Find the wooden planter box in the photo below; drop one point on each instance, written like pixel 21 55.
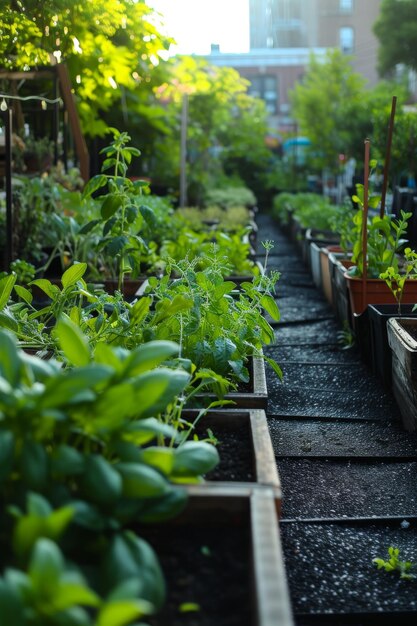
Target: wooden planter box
pixel 261 590
pixel 255 398
pixel 230 424
pixel 315 240
pixel 326 280
pixel 404 367
pixel 340 292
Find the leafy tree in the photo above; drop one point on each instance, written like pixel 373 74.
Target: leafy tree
pixel 226 126
pixel 396 29
pixel 110 47
pixel 329 105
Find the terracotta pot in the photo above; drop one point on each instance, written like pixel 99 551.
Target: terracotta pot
pixel 377 292
pixel 404 367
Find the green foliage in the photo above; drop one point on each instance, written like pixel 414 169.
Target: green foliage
pixel 226 126
pixel 120 50
pixel 230 197
pixel 396 278
pixel 311 210
pixel 394 564
pixel 384 241
pixel 120 217
pixel 76 469
pixel 330 109
pixel 396 30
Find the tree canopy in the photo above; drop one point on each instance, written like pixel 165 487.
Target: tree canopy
pixel 108 45
pixel 396 29
pixel 329 107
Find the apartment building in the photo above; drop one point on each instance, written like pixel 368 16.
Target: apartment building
pixel 283 33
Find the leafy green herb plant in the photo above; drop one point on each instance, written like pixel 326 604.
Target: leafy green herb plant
pixel 394 564
pixel 121 216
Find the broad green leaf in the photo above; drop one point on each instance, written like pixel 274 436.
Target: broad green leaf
pixel 96 182
pixel 70 594
pixel 142 481
pixel 140 309
pixel 46 286
pixel 34 465
pixel 270 306
pixel 101 482
pixel 8 322
pixel 122 612
pixel 10 363
pixel 165 508
pixel 129 557
pixel 11 606
pixel 23 293
pixel 274 366
pixel 195 458
pixel 73 274
pixel 110 206
pixel 66 461
pixel 45 568
pixel 6 287
pixel 158 457
pixel 72 342
pixel 7 446
pixel 70 386
pixel 148 356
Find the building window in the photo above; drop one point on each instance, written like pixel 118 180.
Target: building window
pixel 347 39
pixel 346 6
pixel 265 87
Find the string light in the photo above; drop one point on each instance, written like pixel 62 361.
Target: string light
pixel 24 98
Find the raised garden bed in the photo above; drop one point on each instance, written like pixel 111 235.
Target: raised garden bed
pixel 255 396
pixel 402 337
pixel 246 454
pixel 332 576
pixel 233 543
pixel 336 488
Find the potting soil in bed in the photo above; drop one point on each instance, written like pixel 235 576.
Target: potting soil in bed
pixel 330 569
pixel 207 567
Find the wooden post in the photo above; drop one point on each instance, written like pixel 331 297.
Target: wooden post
pixel 388 156
pixel 8 257
pixel 365 222
pixel 183 161
pixel 68 98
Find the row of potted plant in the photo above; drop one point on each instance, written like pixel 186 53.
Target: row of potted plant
pixel 369 277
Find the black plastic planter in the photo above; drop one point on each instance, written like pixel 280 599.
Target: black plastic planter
pixel 381 355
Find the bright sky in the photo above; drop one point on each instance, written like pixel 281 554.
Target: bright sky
pixel 196 24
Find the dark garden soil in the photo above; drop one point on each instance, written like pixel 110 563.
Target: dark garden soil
pixel 330 569
pixel 333 354
pixel 372 405
pixel 208 569
pixel 317 333
pixel 236 453
pixel 347 378
pixel 328 488
pixel 301 309
pixel 341 439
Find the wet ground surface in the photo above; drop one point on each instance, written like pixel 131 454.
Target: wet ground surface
pixel 345 462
